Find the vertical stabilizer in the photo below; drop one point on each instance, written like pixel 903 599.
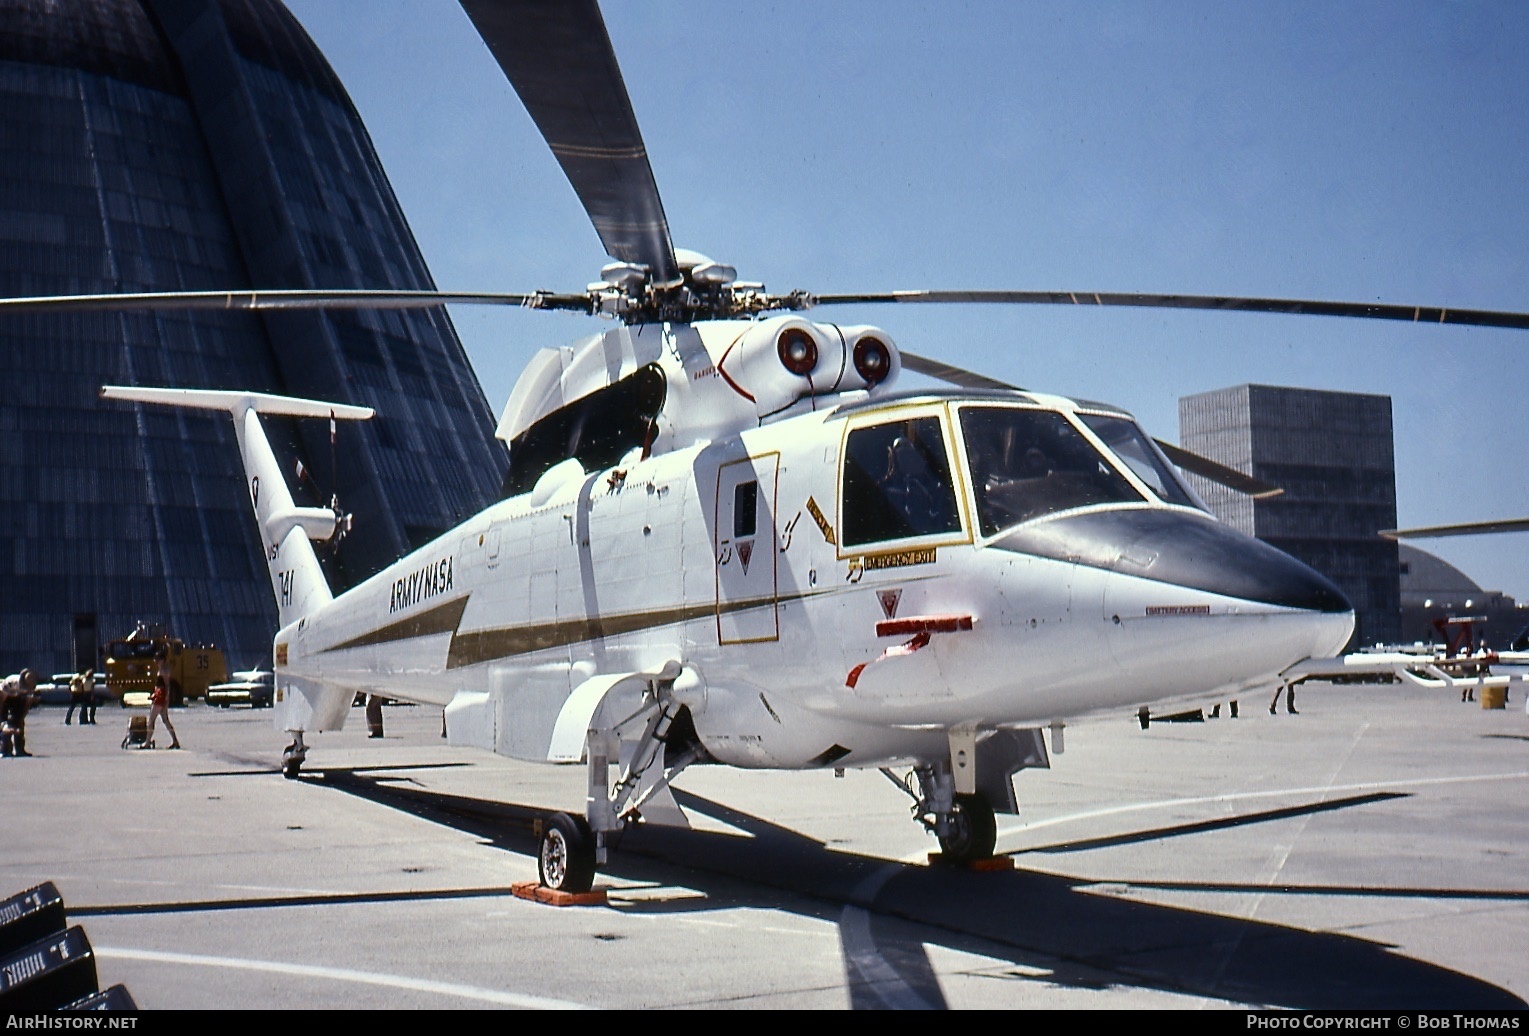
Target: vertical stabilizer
pixel 287 530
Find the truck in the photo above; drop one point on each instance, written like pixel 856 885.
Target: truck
pixel 132 661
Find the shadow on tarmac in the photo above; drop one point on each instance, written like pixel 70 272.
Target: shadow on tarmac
pixel 1050 928
pixel 1157 834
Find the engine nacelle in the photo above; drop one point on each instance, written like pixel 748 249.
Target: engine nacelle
pixel 777 362
pixel 874 362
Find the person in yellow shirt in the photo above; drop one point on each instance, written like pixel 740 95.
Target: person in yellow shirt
pixel 80 684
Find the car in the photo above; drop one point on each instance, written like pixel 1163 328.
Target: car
pixel 56 692
pixel 253 687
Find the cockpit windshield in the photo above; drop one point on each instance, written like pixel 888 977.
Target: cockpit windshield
pixel 1128 442
pixel 1027 463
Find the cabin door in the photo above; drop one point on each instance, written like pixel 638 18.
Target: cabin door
pixel 746 551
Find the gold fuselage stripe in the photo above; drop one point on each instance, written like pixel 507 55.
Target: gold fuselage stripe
pixel 443 618
pixel 487 645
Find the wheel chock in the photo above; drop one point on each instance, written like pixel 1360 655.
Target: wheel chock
pixel 539 893
pixel 987 863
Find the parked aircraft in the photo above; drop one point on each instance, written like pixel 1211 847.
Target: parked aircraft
pixel 728 538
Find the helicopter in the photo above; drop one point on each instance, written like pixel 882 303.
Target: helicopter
pixel 727 538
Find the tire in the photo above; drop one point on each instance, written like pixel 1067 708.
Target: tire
pixel 565 861
pixel 975 830
pixel 290 768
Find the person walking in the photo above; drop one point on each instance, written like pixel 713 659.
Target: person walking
pixel 1289 693
pixel 88 709
pixel 159 704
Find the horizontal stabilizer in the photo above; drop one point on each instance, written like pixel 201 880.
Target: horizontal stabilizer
pixel 228 402
pixel 297 578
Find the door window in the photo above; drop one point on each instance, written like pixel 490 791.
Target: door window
pixel 897 483
pixel 745 509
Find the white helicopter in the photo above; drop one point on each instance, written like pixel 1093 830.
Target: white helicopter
pixel 727 539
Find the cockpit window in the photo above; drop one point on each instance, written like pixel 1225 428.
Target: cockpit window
pixel 897 483
pixel 1029 463
pixel 1128 442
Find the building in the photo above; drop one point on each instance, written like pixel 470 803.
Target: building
pixel 1331 453
pixel 155 145
pixel 1434 592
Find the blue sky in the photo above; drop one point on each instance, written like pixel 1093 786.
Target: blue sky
pixel 1336 150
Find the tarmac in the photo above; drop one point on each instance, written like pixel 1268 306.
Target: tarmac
pixel 1368 854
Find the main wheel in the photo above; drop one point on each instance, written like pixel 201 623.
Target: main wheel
pixel 567 858
pixel 291 766
pixel 974 831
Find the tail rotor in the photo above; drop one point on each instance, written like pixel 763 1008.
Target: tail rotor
pixel 343 519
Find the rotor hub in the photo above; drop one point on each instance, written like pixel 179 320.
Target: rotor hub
pixel 707 290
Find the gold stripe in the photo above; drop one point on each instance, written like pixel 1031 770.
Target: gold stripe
pixel 443 618
pixel 487 645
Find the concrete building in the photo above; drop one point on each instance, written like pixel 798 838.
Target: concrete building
pixel 1332 454
pixel 156 145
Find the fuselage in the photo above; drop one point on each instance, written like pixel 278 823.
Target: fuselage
pixel 845 585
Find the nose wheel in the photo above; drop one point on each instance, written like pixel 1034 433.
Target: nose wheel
pixel 971 830
pixel 964 824
pixel 566 860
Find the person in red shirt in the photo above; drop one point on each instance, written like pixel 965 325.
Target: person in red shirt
pixel 159 704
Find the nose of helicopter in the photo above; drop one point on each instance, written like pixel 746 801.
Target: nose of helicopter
pixel 1167 564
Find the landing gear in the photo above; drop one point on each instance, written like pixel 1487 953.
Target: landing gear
pixel 630 766
pixel 964 824
pixel 293 756
pixel 566 859
pixel 972 830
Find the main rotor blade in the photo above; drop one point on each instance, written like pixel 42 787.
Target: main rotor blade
pixel 1310 307
pixel 1206 468
pixel 558 57
pixel 1462 529
pixel 299 299
pixel 951 375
